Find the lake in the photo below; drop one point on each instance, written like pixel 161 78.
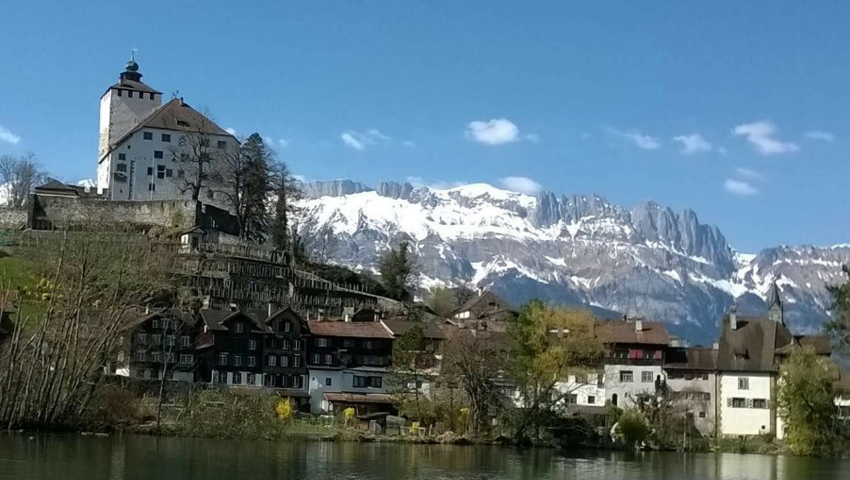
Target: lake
pixel 73 457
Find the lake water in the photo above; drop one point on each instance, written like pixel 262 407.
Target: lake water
pixel 73 457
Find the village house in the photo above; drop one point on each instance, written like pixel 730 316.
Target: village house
pixel 751 350
pixel 285 355
pixel 485 305
pixel 691 382
pixel 230 348
pixel 348 363
pixel 147 148
pixel 636 355
pixel 431 349
pixel 159 343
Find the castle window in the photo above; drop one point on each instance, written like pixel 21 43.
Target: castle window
pixel 151 187
pixel 129 94
pixel 160 171
pixel 147 135
pixel 119 93
pixel 169 172
pixel 150 171
pixel 166 138
pixel 743 383
pixel 121 167
pixel 221 144
pixel 122 156
pixel 180 173
pixel 152 95
pixel 157 154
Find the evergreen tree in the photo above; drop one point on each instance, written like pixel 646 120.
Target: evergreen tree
pixel 287 191
pixel 245 180
pixel 839 326
pixel 398 272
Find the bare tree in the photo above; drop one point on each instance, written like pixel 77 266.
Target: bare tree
pixel 18 177
pixel 196 149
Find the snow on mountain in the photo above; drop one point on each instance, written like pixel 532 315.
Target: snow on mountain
pixel 89 184
pixel 578 249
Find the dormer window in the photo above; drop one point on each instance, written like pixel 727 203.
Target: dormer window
pixel 239 328
pixel 129 94
pixel 182 123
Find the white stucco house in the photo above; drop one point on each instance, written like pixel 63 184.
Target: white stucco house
pixel 146 147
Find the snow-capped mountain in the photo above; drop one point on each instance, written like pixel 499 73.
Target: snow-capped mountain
pixel 648 261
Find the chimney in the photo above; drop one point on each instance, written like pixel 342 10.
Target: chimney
pixel 147 309
pixel 347 317
pixel 271 309
pixel 181 101
pixel 733 317
pixel 715 346
pixel 377 317
pixel 321 315
pixel 233 307
pixel 638 325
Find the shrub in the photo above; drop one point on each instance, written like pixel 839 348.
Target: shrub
pixel 633 427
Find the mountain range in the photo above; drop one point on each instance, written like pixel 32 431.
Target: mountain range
pixel 648 261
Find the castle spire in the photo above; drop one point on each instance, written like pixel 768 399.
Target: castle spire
pixel 775 310
pixel 131 69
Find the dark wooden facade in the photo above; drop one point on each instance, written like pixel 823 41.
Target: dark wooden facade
pixel 285 350
pixel 230 350
pixel 161 343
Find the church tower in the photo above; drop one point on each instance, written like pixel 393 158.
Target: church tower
pixel 122 107
pixel 775 310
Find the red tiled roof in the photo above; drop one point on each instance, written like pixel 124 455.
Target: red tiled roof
pixel 618 331
pixel 349 329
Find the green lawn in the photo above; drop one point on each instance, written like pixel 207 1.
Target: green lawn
pixel 17 273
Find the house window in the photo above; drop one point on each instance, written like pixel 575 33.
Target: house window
pixel 317 359
pixel 759 403
pixel 151 187
pixel 122 156
pixel 296 361
pixel 222 359
pixel 157 357
pixel 238 327
pixel 284 344
pixel 237 378
pixel 600 380
pixel 626 376
pixel 166 138
pixel 296 345
pixel 252 379
pixel 186 341
pixel 121 167
pixel 743 383
pixel 221 144
pixel 180 173
pixel 272 360
pixel 150 171
pixel 348 343
pixel 360 382
pixel 147 136
pixel 169 357
pixel 160 171
pixel 119 93
pixel 284 361
pixel 252 361
pixel 646 377
pixel 237 360
pixel 156 339
pixel 581 378
pixel 368 344
pixel 328 382
pixel 158 154
pixel 252 344
pixel 739 403
pixel 591 399
pixel 169 173
pixel 142 338
pixel 287 326
pixel 701 414
pixel 169 340
pixel 321 342
pixel 129 93
pixel 186 359
pixel 141 356
pixel 155 323
pixel 376 382
pixel 328 359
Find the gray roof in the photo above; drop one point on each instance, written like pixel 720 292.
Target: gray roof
pixel 215 320
pixel 138 86
pixel 400 327
pixel 693 358
pixel 753 345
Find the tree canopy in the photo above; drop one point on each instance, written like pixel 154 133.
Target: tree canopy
pixel 398 272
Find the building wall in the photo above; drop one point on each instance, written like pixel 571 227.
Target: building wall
pixel 626 391
pixel 318 385
pixel 13 218
pixel 698 383
pixel 747 420
pixel 583 391
pixel 119 115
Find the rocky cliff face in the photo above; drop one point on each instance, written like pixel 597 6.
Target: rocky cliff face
pixel 580 249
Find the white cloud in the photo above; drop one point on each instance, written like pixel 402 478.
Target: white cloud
pixel 820 135
pixel 283 142
pixel 749 173
pixel 762 135
pixel 645 142
pixel 496 131
pixel 362 140
pixel 522 185
pixel 230 130
pixel 693 143
pixel 741 188
pixel 7 136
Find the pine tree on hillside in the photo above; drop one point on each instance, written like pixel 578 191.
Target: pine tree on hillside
pixel 288 192
pixel 839 326
pixel 398 272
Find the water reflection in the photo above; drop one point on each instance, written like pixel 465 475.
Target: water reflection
pixel 72 457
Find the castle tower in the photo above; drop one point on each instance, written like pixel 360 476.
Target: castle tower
pixel 775 310
pixel 122 107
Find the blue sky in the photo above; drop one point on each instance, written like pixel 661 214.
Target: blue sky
pixel 735 109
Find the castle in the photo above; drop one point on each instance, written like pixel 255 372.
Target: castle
pixel 154 151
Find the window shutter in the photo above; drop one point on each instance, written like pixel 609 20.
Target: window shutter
pixel 729 402
pixel 749 403
pixel 767 403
